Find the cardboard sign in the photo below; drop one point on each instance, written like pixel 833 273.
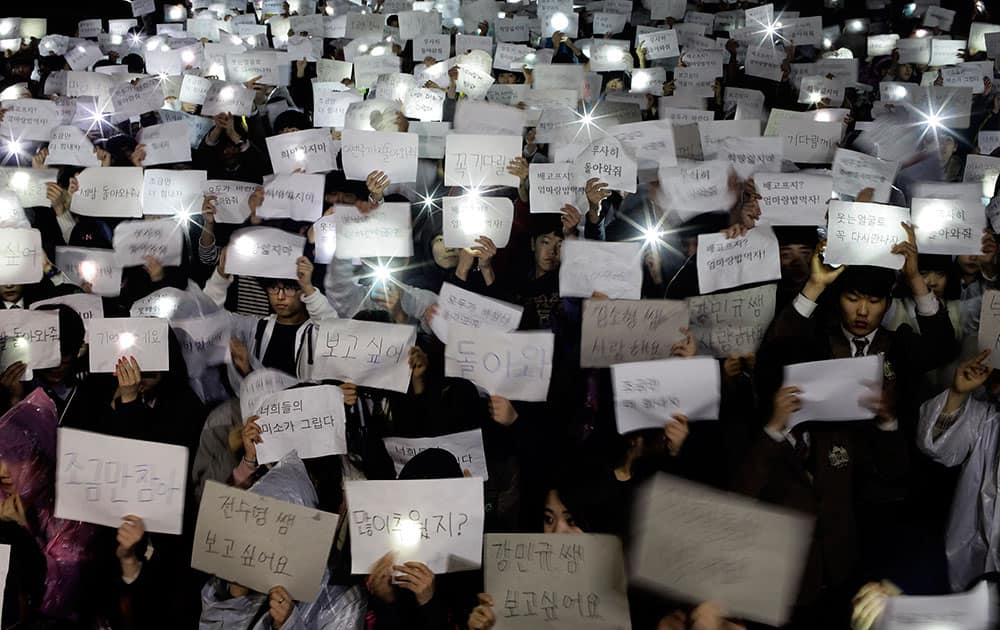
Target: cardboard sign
pixel 864 233
pixel 649 393
pixel 309 420
pixel 569 580
pixel 370 354
pixel 21 256
pixel 144 338
pixel 435 521
pixel 625 331
pixel 467 447
pixel 384 231
pixel 688 549
pixel 731 323
pixel 470 217
pixel 264 252
pixel 261 542
pixel 514 365
pixel 162 239
pixel 102 478
pixel 614 269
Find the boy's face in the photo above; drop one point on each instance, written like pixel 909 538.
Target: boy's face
pixel 547 248
pixel 860 314
pixel 795 259
pixel 11 292
pixel 285 299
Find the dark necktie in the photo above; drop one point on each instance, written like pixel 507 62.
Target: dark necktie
pixel 860 343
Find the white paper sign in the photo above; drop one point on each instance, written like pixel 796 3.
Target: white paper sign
pixel 751 155
pixel 837 389
pixel 435 521
pixel 294 195
pixel 312 150
pixel 474 161
pixel 370 354
pixel 90 265
pixel 70 146
pixel 696 189
pixel 606 160
pixel 456 306
pixel 29 184
pixel 853 171
pixel 582 586
pixel 491 118
pixel 30 119
pixel 625 331
pixel 948 226
pixel 277 532
pixel 30 337
pixel 864 233
pixel 162 239
pixel 394 153
pixel 973 610
pixel 649 393
pixel 793 198
pixel 112 338
pixel 467 447
pixel 515 365
pixel 87 305
pixel 689 550
pixel 172 192
pixel 204 341
pixel 113 191
pixel 265 252
pixel 167 143
pixel 470 217
pixel 330 104
pixel 659 44
pixel 724 263
pixel 228 98
pixel 132 477
pixel 809 142
pixel 145 95
pixel 614 269
pixel 309 420
pixel 983 169
pixel 552 186
pixel 21 256
pixel 384 231
pixel 231 199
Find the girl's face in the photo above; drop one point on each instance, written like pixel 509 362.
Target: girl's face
pixel 444 257
pixel 905 71
pixel 557 518
pixel 936 282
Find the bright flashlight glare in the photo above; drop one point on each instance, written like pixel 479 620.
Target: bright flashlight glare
pixel 6 209
pixel 363 48
pixel 856 26
pixel 126 340
pixel 20 343
pixel 920 32
pixel 428 202
pixel 165 306
pixel 640 82
pixel 116 39
pixel 14 147
pixel 20 180
pixel 934 218
pixel 899 91
pixel 615 55
pixel 651 235
pixel 175 12
pixel 136 38
pixel 378 51
pixel 815 97
pixel 5 27
pixel 152 44
pixel 164 48
pixel 458 21
pixel 81 49
pixel 409 533
pixel 226 93
pixel 244 245
pixel 235 40
pixel 559 21
pixel 329 10
pixel 827 43
pixel 88 270
pixel 933 121
pixel 382 273
pixel 473 221
pixel 187 56
pixel 300 155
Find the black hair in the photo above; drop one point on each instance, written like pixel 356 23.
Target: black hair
pixel 434 463
pixel 547 223
pixel 589 495
pixel 337 182
pixel 866 280
pixel 796 235
pixel 374 315
pixel 28 570
pixel 292 119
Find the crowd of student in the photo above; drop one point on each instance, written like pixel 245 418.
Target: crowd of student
pixel 892 514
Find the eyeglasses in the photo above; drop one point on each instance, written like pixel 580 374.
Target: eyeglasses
pixel 282 289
